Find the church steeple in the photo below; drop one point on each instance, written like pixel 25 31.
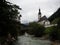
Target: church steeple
pixel 39 14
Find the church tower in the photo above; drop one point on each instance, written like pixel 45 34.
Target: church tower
pixel 39 15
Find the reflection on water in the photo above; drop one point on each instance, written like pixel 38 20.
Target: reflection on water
pixel 27 40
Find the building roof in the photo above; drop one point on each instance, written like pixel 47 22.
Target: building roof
pixel 43 18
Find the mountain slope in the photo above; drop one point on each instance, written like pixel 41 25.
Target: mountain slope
pixel 55 15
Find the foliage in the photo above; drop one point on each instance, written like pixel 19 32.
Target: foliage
pixel 55 21
pixel 54 34
pixel 48 30
pixel 58 24
pixel 55 15
pixel 36 29
pixel 8 15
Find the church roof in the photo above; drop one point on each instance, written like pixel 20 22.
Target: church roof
pixel 43 18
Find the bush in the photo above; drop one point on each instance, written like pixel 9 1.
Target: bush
pixel 48 30
pixel 36 29
pixel 54 34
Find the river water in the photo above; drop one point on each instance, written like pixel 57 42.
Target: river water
pixel 28 40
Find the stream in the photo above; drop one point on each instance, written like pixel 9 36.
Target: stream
pixel 29 40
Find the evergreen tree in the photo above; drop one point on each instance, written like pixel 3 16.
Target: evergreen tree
pixel 8 15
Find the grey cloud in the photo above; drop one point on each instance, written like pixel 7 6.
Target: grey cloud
pixel 30 8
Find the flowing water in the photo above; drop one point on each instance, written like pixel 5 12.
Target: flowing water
pixel 28 40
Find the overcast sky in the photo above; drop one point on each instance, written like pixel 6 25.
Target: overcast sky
pixel 30 8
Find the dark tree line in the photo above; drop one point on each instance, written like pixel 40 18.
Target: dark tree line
pixel 55 33
pixel 8 15
pixel 54 15
pixel 36 29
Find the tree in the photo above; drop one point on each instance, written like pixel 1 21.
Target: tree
pixel 54 33
pixel 8 19
pixel 54 15
pixel 36 29
pixel 55 19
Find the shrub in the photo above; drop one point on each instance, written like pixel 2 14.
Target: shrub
pixel 36 29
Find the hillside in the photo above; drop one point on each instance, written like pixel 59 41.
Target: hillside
pixel 55 15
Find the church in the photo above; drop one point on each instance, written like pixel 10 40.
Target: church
pixel 43 20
